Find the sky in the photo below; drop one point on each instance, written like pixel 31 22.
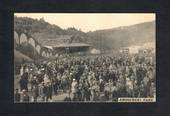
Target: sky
pixel 91 21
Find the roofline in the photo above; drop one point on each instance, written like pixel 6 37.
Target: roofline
pixel 71 45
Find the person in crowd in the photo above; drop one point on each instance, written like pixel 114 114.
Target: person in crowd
pixel 107 91
pixel 25 97
pixel 48 92
pixel 87 93
pixel 152 91
pixel 114 92
pixel 55 85
pixel 46 79
pixel 33 81
pixel 74 87
pixel 67 98
pixel 24 82
pixel 35 93
pixel 17 96
pixel 21 70
pixel 42 91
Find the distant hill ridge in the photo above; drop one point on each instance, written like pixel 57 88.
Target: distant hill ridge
pixel 115 38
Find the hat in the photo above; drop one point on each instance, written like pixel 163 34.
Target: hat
pixel 127 79
pixel 24 91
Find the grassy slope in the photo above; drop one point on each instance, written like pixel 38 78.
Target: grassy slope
pixel 18 57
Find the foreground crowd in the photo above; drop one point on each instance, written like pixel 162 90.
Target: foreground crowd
pixel 98 78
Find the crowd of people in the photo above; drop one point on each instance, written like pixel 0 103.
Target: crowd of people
pixel 95 78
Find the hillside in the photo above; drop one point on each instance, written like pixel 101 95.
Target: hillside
pixel 107 39
pixel 124 36
pixel 42 30
pixel 20 57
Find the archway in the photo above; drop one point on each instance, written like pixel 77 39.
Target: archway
pixel 23 39
pixel 31 41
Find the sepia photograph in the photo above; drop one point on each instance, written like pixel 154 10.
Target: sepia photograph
pixel 84 57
